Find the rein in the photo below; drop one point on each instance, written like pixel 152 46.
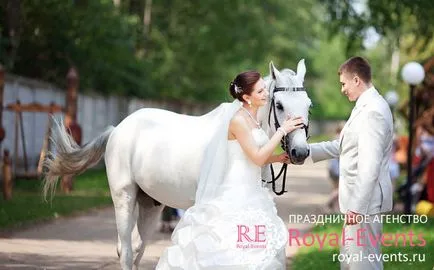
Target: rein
pixel 282 142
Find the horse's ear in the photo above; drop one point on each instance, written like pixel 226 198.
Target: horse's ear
pixel 273 71
pixel 301 70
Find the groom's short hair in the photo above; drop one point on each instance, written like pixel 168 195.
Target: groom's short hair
pixel 359 66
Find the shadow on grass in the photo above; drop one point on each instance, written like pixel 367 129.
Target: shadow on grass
pixel 28 205
pixel 26 261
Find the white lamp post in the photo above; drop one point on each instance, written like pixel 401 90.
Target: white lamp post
pixel 413 74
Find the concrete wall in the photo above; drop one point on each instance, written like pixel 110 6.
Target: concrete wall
pixel 94 114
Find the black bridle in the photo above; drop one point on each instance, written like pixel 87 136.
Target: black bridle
pixel 283 141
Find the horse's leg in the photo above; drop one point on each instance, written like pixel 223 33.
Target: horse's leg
pixel 124 200
pixel 134 233
pixel 148 217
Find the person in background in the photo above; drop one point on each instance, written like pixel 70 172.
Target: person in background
pixel 394 168
pixel 167 216
pixel 424 153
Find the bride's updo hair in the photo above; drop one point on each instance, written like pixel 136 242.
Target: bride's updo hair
pixel 243 84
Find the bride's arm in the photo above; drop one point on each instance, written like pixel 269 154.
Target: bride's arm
pixel 242 132
pixel 277 158
pixel 271 159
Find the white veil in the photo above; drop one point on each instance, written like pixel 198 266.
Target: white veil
pixel 213 167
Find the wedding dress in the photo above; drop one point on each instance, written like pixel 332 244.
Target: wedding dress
pixel 236 227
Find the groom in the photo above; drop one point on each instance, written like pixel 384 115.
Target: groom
pixel 364 148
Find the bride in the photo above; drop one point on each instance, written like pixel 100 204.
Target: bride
pixel 233 223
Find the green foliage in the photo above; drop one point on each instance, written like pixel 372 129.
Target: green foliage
pixel 405 29
pixel 192 51
pixel 92 36
pixel 391 19
pixel 326 60
pixel 197 48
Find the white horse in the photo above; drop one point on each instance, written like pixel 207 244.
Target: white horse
pixel 153 157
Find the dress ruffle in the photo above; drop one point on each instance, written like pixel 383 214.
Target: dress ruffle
pixel 207 236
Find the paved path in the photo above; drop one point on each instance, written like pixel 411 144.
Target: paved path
pixel 89 241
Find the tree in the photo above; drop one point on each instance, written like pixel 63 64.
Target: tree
pixel 10 27
pixel 90 35
pixel 197 47
pixel 391 19
pixel 405 28
pixel 190 51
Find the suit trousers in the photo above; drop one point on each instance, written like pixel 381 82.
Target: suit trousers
pixel 361 245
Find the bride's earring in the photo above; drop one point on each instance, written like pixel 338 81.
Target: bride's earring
pixel 250 103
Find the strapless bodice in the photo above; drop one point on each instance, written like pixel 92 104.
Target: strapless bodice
pixel 240 167
pixel 235 150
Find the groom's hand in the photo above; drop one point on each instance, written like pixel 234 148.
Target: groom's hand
pixel 351 218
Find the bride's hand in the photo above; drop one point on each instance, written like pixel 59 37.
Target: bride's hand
pixel 292 123
pixel 282 158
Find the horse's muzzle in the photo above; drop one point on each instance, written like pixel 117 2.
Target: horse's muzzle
pixel 299 154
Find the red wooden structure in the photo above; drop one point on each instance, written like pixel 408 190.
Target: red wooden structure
pixel 18 108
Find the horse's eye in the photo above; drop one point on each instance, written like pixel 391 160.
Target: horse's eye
pixel 279 107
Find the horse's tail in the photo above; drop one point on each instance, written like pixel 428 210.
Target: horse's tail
pixel 69 158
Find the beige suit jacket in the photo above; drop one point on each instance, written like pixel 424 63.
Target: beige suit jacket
pixel 364 150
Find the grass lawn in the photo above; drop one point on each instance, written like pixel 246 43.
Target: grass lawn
pixel 313 258
pixel 320 138
pixel 28 206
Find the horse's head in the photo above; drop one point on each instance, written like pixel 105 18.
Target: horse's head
pixel 288 97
